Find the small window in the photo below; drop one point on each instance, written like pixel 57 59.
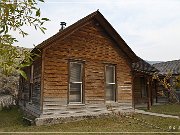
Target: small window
pixel 143 87
pixel 110 82
pixel 75 82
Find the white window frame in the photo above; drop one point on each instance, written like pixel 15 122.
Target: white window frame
pixel 114 82
pixel 76 83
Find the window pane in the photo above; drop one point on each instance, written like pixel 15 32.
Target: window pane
pixel 110 74
pixel 75 72
pixel 110 83
pixel 75 92
pixel 110 92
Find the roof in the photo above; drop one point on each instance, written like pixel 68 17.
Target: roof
pixel 103 22
pixel 169 66
pixel 143 66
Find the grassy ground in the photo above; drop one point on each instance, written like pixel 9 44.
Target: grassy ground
pixel 11 121
pixel 172 109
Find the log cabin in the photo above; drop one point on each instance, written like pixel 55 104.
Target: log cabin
pixel 80 71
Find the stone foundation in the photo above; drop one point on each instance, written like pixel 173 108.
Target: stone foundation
pixel 79 115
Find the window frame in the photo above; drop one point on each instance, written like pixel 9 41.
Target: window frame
pixel 114 83
pixel 81 83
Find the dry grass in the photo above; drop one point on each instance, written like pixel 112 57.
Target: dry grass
pixel 172 109
pixel 11 121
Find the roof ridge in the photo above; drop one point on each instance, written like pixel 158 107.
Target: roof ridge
pixel 66 29
pixel 83 21
pixel 166 62
pixel 172 66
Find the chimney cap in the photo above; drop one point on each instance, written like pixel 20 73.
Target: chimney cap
pixel 63 24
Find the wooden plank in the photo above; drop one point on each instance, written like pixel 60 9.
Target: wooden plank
pixel 93 46
pixel 42 80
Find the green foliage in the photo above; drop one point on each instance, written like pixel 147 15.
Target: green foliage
pixel 17 13
pixel 177 82
pixel 168 85
pixel 13 15
pixel 9 79
pixel 11 58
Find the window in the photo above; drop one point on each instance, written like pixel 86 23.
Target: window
pixel 143 87
pixel 31 82
pixel 110 83
pixel 75 82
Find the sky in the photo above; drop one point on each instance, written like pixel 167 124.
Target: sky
pixel 151 28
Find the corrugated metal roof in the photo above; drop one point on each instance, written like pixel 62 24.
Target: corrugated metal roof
pixel 144 66
pixel 169 66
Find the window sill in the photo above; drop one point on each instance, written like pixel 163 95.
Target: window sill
pixel 76 104
pixel 111 102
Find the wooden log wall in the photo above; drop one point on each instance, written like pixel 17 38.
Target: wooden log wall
pixel 93 45
pixel 138 92
pixel 31 107
pixel 36 92
pixel 23 93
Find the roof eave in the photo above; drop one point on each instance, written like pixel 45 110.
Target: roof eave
pixel 106 25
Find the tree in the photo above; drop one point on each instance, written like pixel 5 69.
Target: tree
pixel 14 14
pixel 9 84
pixel 170 84
pixel 177 82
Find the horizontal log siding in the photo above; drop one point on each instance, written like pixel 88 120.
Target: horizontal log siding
pixel 93 45
pixel 32 108
pixel 24 87
pixel 36 92
pixel 94 81
pixel 55 76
